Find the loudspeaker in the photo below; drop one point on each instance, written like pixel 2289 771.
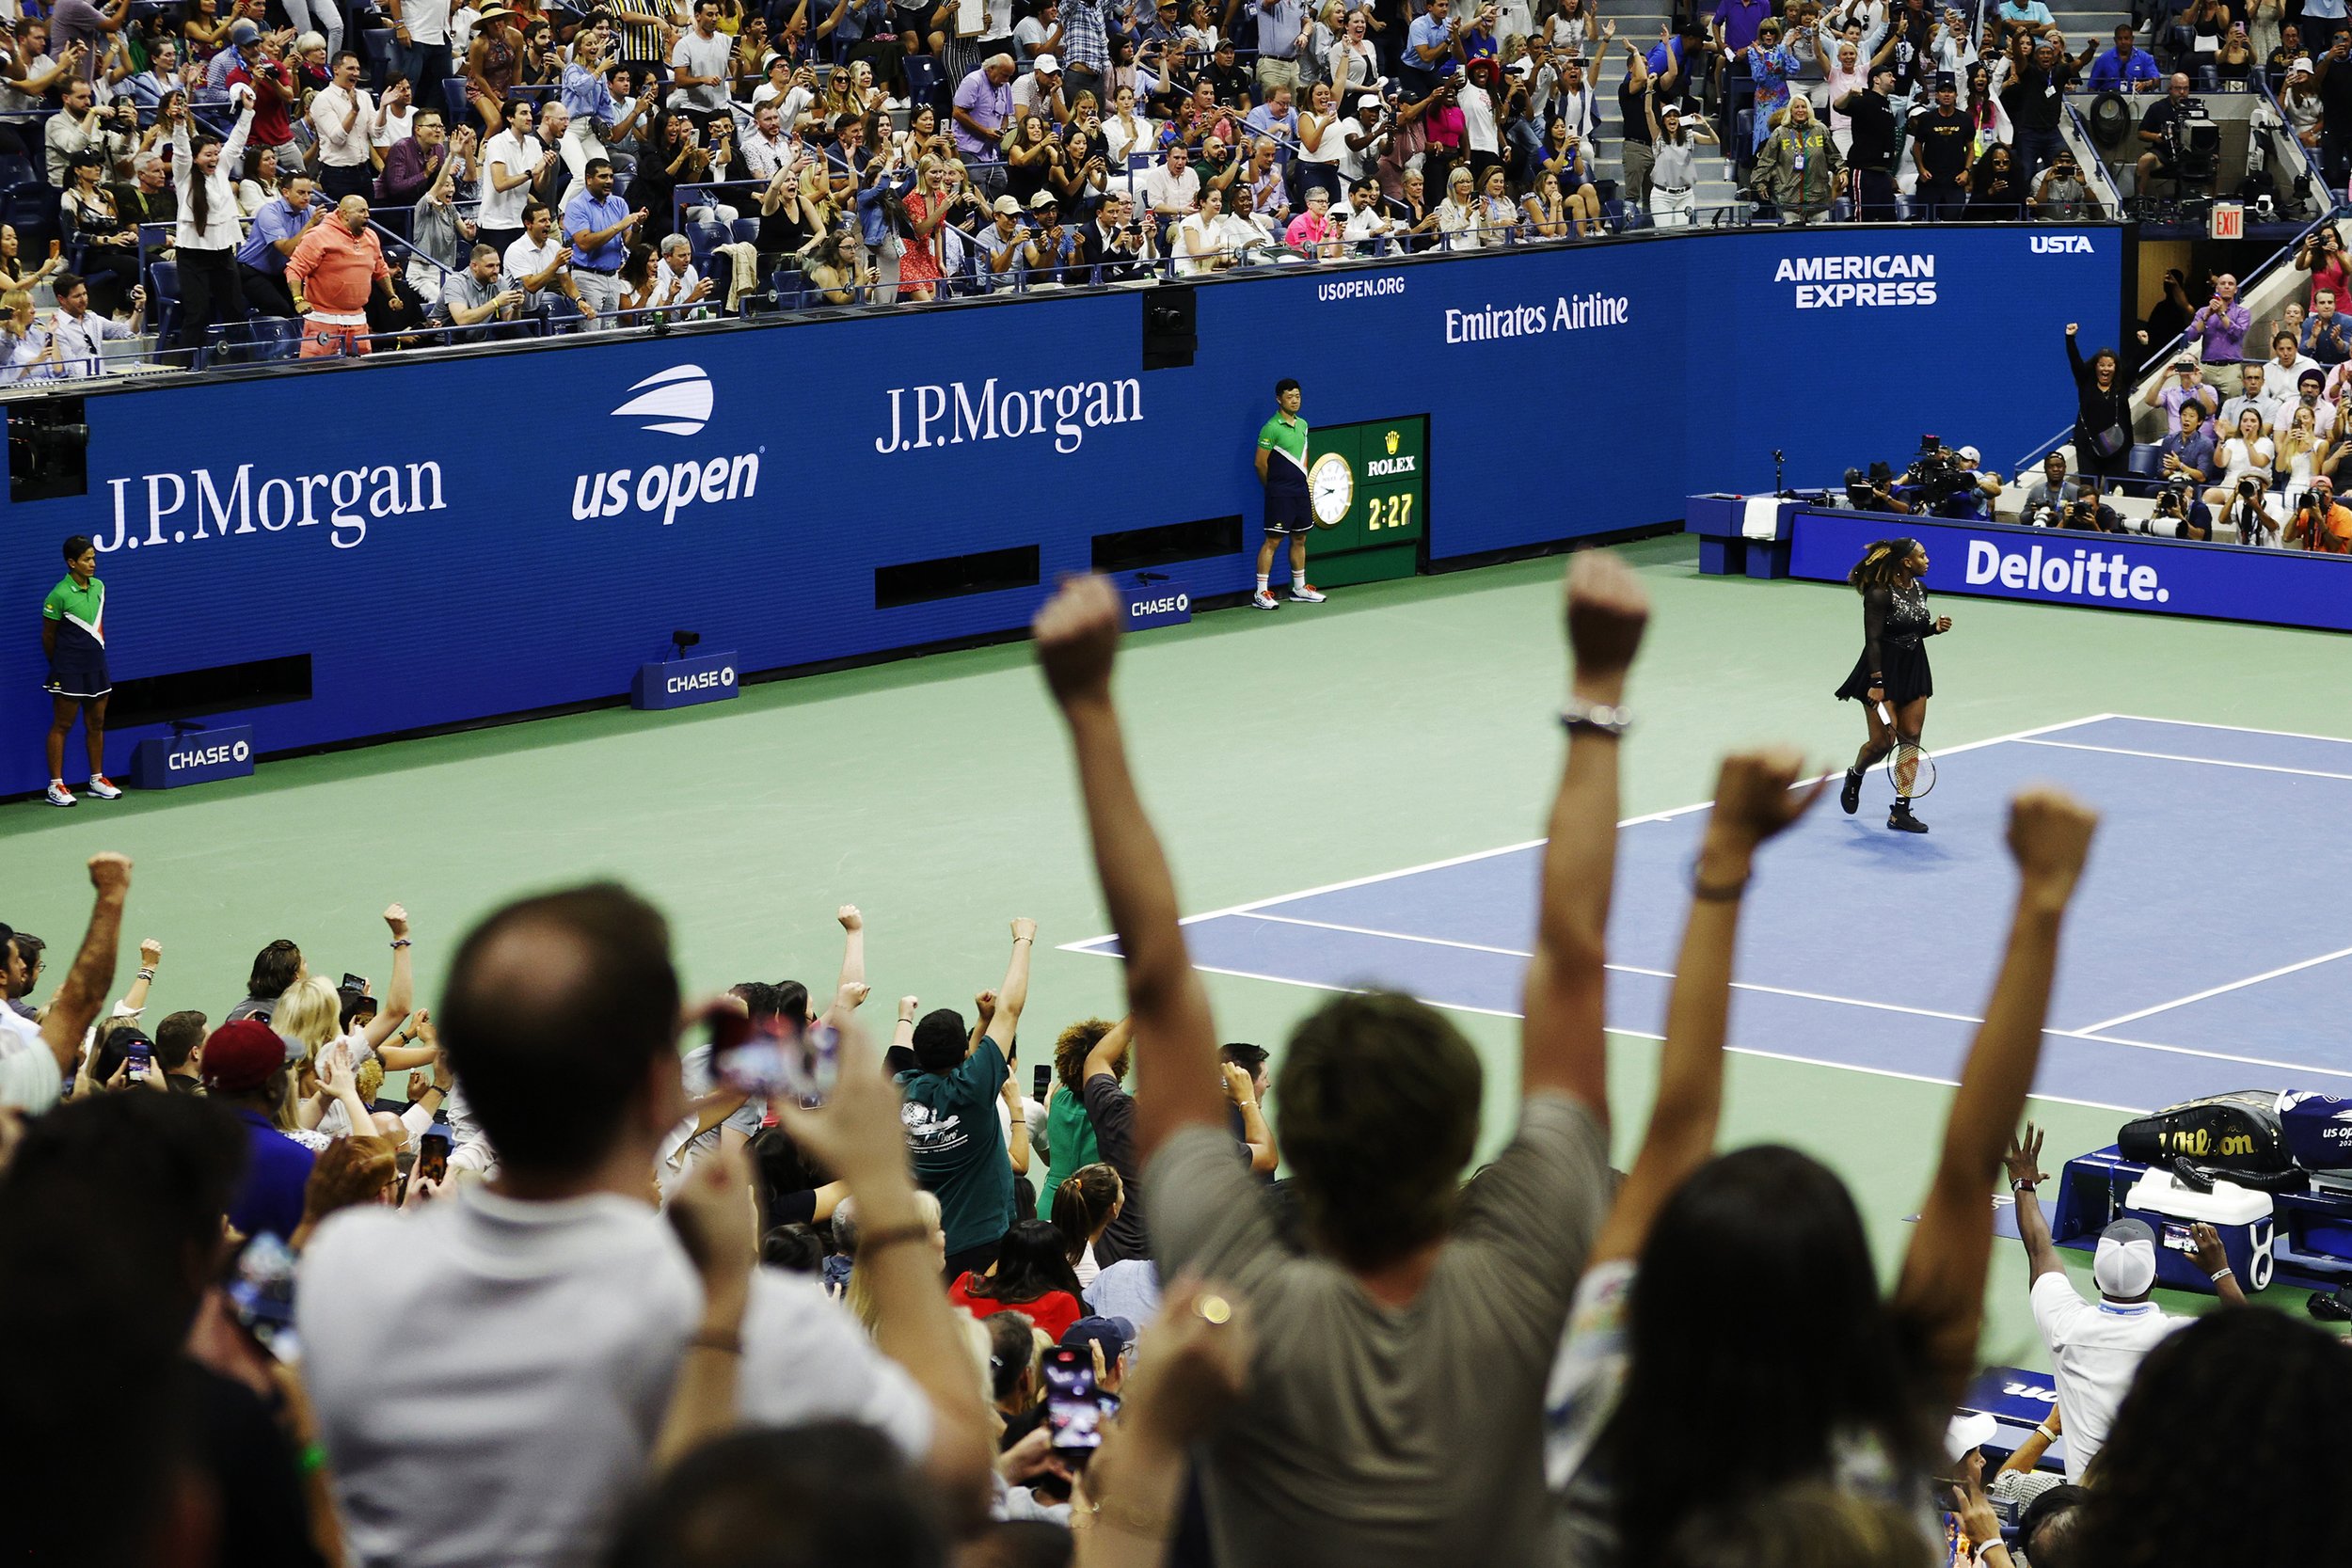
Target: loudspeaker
pixel 1169 341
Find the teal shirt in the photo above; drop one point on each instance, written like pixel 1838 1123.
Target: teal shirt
pixel 1070 1145
pixel 959 1146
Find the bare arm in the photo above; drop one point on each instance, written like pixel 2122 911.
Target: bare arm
pixel 76 1003
pixel 1942 1285
pixel 859 1136
pixel 1013 994
pixel 716 1219
pixel 1077 640
pixel 852 948
pixel 1263 1157
pixel 2023 1162
pixel 1562 1048
pixel 1753 801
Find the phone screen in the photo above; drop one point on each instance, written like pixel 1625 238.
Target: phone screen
pixel 354 982
pixel 433 1154
pixel 260 1293
pixel 137 1062
pixel 2178 1239
pixel 1045 1081
pixel 766 1059
pixel 1074 1408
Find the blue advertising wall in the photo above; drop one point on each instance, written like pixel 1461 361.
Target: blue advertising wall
pixel 480 535
pixel 2160 576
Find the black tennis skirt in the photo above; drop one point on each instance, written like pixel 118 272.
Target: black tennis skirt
pixel 80 674
pixel 1907 676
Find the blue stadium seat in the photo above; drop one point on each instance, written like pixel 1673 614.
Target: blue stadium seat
pixel 166 276
pixel 926 80
pixel 375 43
pixel 17 171
pixel 32 212
pixel 746 232
pixel 454 100
pixel 2147 461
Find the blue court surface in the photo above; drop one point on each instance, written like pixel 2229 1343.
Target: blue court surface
pixel 2206 950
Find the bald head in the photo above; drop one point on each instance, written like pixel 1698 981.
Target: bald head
pixel 557 1015
pixel 352 210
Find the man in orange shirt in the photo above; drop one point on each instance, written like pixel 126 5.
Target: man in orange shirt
pixel 2319 523
pixel 330 273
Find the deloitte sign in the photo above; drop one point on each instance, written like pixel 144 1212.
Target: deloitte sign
pixel 193 756
pixel 684 682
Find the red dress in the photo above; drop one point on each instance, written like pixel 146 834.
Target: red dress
pixel 1053 1311
pixel 920 265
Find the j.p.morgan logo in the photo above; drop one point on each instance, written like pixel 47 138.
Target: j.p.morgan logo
pixel 675 402
pixel 209 756
pixel 707 680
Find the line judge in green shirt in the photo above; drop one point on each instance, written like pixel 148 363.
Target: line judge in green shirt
pixel 73 634
pixel 1283 469
pixel 953 1132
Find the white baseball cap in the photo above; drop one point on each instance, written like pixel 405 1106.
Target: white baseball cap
pixel 1046 65
pixel 1969 457
pixel 1969 1430
pixel 2126 1264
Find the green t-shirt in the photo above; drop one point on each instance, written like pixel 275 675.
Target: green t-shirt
pixel 1070 1140
pixel 959 1146
pixel 80 614
pixel 1285 437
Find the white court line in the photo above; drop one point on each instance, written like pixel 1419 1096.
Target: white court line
pixel 2234 729
pixel 2089 1036
pixel 1091 945
pixel 2216 991
pixel 1646 1035
pixel 2174 756
pixel 1618 969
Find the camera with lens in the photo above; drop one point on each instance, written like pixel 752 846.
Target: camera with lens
pixel 2249 489
pixel 1870 491
pixel 2168 501
pixel 1935 476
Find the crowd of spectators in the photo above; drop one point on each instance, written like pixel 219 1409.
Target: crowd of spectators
pixel 784 1297
pixel 327 171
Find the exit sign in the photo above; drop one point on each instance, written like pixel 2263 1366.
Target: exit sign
pixel 2227 221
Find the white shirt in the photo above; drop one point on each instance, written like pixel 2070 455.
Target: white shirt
pixel 79 339
pixel 1199 238
pixel 557 1329
pixel 525 260
pixel 29 1078
pixel 697 55
pixel 399 127
pixel 671 287
pixel 222 231
pixel 763 155
pixel 1162 191
pixel 2094 1350
pixel 338 148
pixel 504 209
pixel 2238 461
pixel 2323 418
pixel 1478 120
pixel 427 22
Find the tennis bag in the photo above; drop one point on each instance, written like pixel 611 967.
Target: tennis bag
pixel 2254 1137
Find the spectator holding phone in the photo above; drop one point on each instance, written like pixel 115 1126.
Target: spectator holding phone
pixel 561 1019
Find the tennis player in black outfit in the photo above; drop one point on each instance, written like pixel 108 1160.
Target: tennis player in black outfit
pixel 1893 669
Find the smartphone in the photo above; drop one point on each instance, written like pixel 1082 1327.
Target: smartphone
pixel 260 1293
pixel 2177 1237
pixel 433 1153
pixel 1044 1079
pixel 354 982
pixel 136 1064
pixel 1074 1408
pixel 773 1061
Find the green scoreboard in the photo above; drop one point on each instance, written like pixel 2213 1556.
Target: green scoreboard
pixel 1368 489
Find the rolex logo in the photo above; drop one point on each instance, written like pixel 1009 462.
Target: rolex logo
pixel 1392 443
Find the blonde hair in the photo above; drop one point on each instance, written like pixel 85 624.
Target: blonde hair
pixel 859 1297
pixel 310 1013
pixel 370 1079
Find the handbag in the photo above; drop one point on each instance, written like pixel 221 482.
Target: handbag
pixel 2112 441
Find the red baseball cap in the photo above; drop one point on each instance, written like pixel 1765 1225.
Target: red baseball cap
pixel 242 1056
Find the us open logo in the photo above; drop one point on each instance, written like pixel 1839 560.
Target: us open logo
pixel 675 402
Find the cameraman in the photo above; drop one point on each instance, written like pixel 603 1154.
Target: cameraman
pixel 2160 128
pixel 1875 493
pixel 2319 523
pixel 2249 512
pixel 1969 490
pixel 2179 505
pixel 2088 512
pixel 2046 498
pixel 2060 192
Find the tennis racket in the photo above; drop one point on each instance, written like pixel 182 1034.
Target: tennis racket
pixel 1909 766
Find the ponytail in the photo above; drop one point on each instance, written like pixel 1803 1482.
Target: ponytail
pixel 1881 562
pixel 1083 1205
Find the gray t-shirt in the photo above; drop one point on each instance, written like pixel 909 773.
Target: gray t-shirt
pixel 1374 1435
pixel 699 57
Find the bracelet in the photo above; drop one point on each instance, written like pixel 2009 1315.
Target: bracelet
pixel 2043 1428
pixel 725 1344
pixel 148 974
pixel 2024 1186
pixel 914 1230
pixel 2224 1272
pixel 1597 718
pixel 398 943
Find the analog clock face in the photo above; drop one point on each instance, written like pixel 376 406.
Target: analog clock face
pixel 1330 488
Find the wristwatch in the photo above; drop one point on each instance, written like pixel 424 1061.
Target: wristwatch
pixel 1600 718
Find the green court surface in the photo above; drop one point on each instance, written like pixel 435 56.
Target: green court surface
pixel 1400 723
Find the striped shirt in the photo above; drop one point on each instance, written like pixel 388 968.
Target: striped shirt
pixel 644 41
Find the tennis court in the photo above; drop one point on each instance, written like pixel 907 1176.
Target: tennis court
pixel 2206 950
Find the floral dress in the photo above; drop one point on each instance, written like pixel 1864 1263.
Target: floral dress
pixel 920 265
pixel 1771 67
